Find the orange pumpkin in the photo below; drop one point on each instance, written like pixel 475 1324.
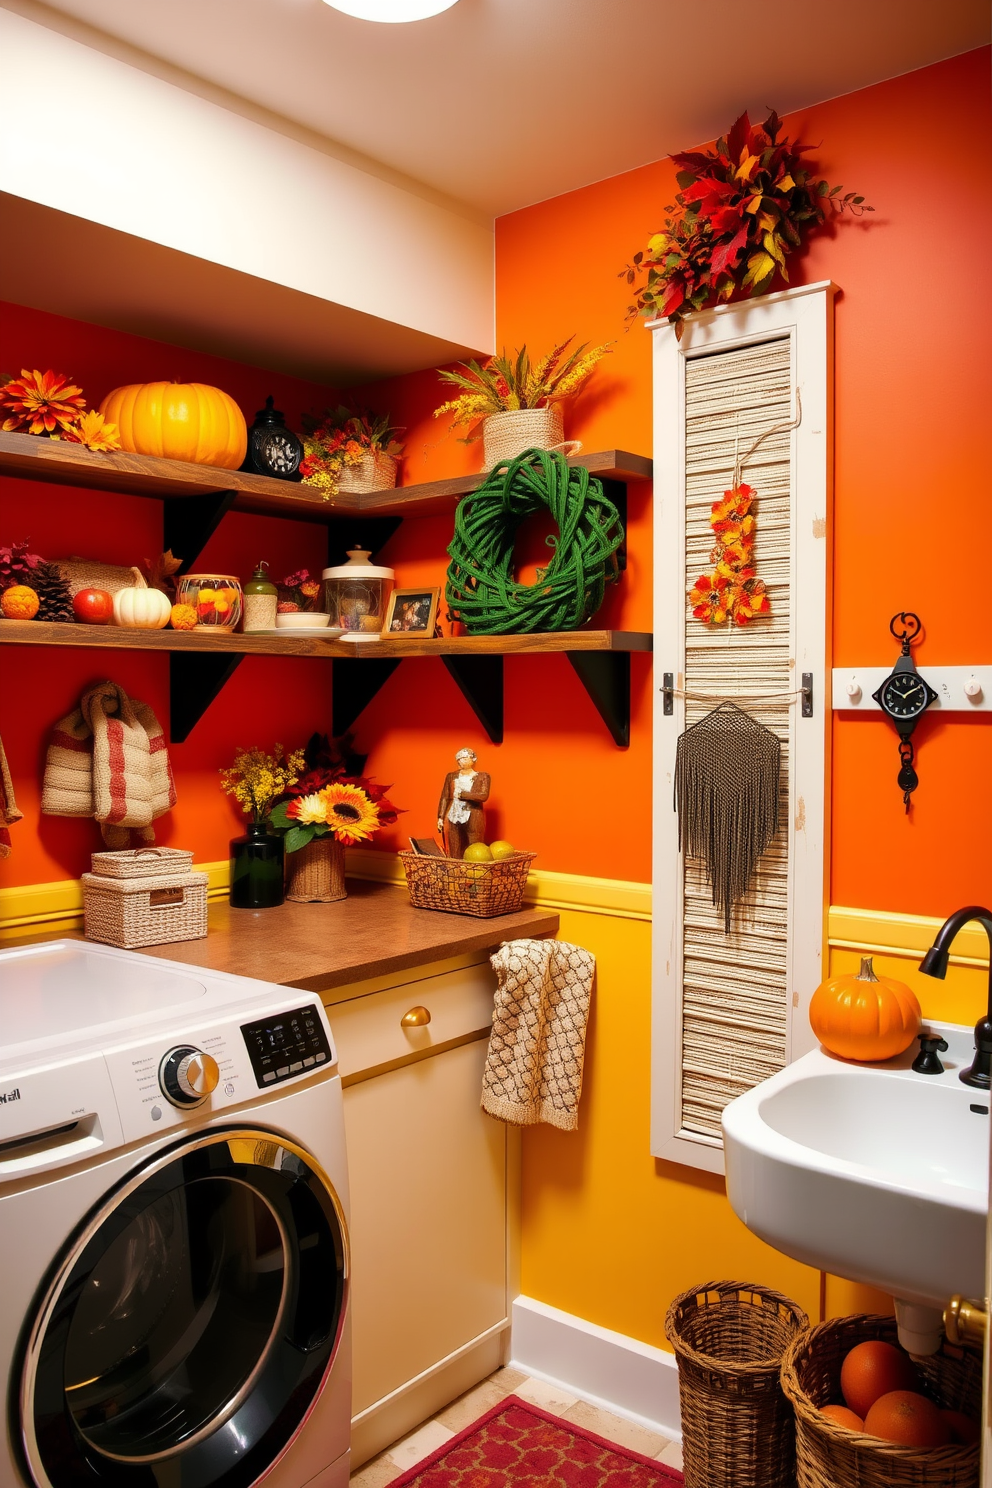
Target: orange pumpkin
pixel 865 1017
pixel 179 421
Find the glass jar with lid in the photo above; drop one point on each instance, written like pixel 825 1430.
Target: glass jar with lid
pixel 357 593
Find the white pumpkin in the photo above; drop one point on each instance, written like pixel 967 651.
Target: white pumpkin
pixel 141 608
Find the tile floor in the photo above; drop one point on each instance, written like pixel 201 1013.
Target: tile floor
pixel 403 1455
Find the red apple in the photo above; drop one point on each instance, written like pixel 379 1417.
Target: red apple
pixel 93 607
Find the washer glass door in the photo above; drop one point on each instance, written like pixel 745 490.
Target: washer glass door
pixel 187 1329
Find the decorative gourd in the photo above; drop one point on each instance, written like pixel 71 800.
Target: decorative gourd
pixel 179 421
pixel 863 1016
pixel 141 608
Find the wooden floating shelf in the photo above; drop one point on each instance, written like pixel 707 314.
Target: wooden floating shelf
pixel 202 660
pixel 30 457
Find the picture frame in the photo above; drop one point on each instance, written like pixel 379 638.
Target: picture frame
pixel 411 614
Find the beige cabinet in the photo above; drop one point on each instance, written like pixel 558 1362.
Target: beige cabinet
pixel 429 1199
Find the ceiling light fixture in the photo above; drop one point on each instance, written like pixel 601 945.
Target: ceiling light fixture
pixel 391 10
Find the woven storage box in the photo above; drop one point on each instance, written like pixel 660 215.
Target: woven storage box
pixel 375 471
pixel 827 1456
pixel 483 889
pixel 142 862
pixel 737 1426
pixel 134 912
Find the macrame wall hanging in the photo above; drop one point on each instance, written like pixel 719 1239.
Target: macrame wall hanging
pixel 727 797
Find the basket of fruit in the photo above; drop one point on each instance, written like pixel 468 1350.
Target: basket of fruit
pixel 487 881
pixel 729 1339
pixel 868 1415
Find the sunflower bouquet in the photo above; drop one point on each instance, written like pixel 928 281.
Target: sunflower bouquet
pixel 326 800
pixel 505 384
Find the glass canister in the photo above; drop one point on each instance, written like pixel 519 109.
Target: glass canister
pixel 357 593
pixel 261 598
pixel 216 598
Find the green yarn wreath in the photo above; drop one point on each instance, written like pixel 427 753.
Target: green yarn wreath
pixel 481 590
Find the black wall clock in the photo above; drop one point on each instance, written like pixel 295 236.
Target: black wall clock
pixel 272 448
pixel 904 697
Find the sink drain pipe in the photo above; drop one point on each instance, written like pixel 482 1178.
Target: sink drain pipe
pixel 921 1329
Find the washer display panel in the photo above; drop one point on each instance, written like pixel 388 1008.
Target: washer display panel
pixel 187 1330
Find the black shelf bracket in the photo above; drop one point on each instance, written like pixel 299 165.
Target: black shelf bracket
pixel 359 531
pixel 480 681
pixel 195 679
pixel 189 522
pixel 616 491
pixel 605 675
pixel 354 683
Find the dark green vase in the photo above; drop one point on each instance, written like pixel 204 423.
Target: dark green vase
pixel 256 869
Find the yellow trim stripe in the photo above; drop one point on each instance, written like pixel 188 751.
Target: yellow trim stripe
pixel 59 906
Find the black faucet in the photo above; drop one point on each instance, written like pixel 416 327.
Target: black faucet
pixel 934 964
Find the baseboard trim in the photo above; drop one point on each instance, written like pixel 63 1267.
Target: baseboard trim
pixel 608 1369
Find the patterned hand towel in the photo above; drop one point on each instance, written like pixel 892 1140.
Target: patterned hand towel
pixel 534 1065
pixel 108 760
pixel 8 806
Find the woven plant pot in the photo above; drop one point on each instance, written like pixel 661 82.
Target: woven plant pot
pixel 315 873
pixel 375 472
pixel 827 1456
pixel 507 435
pixel 737 1428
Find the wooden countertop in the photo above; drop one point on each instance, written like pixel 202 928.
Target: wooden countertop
pixel 373 932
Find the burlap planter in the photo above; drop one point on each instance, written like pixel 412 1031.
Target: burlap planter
pixel 375 472
pixel 316 872
pixel 507 435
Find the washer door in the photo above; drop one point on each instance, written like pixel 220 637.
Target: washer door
pixel 190 1324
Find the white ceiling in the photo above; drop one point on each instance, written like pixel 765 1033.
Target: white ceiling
pixel 501 103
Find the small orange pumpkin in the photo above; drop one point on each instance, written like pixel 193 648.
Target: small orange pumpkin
pixel 179 421
pixel 864 1016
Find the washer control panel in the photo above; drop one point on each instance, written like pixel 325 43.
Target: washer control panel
pixel 286 1045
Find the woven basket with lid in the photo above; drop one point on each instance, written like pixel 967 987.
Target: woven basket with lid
pixel 737 1427
pixel 827 1456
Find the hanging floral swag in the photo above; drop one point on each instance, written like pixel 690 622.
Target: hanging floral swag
pixel 732 591
pixel 741 209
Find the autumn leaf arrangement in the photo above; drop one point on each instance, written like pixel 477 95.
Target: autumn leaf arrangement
pixel 330 797
pixel 49 404
pixel 505 384
pixel 732 591
pixel 341 438
pixel 740 211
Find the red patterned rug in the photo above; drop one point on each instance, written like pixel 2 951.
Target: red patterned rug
pixel 515 1443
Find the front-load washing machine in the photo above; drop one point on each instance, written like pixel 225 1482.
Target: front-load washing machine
pixel 173 1227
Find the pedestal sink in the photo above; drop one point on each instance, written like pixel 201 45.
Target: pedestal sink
pixel 871 1172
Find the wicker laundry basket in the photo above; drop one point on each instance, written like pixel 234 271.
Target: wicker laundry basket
pixel 144 898
pixel 828 1456
pixel 483 889
pixel 737 1428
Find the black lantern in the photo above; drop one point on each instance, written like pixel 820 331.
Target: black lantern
pixel 272 448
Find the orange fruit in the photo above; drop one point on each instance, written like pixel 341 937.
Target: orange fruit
pixel 909 1419
pixel 183 617
pixel 841 1416
pixel 872 1369
pixel 19 602
pixel 964 1429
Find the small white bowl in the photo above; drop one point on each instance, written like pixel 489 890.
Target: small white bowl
pixel 302 620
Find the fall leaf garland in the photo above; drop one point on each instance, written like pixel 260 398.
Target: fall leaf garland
pixel 732 591
pixel 741 209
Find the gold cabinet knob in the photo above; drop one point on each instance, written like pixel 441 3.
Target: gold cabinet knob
pixel 417 1017
pixel 964 1321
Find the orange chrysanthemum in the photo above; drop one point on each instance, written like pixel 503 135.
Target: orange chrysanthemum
pixel 40 403
pixel 94 432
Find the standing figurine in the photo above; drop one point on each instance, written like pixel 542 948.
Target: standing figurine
pixel 459 813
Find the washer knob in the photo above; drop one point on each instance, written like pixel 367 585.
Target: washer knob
pixel 187 1075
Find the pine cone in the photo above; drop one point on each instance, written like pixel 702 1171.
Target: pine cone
pixel 54 595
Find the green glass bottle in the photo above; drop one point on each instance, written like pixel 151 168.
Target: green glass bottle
pixel 261 598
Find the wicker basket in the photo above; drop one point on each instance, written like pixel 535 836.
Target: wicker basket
pixel 457 887
pixel 135 912
pixel 315 873
pixel 737 1428
pixel 507 435
pixel 828 1456
pixel 375 472
pixel 142 862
